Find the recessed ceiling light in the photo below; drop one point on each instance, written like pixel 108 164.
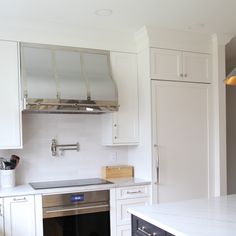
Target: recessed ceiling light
pixel 103 12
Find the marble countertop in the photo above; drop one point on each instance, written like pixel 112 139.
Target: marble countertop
pixel 26 189
pixel 201 217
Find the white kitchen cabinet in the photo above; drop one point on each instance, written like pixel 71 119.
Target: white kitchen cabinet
pixel 124 230
pixel 122 127
pixel 19 216
pixel 10 112
pixel 1 218
pixel 174 65
pixel 128 197
pixel 123 216
pixel 180 114
pixel 166 64
pixel 196 67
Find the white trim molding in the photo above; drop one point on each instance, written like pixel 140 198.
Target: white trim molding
pixel 219 171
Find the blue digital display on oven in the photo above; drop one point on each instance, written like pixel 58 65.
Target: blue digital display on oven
pixel 77 198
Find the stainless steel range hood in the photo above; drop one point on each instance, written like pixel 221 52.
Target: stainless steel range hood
pixel 58 79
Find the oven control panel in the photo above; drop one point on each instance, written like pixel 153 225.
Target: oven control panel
pixel 74 198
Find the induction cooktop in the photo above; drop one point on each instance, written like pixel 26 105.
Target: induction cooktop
pixel 69 183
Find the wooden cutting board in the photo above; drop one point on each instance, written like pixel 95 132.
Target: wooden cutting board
pixel 122 171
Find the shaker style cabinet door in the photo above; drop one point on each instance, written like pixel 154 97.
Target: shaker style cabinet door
pixel 1 218
pixel 10 111
pixel 124 71
pixel 122 127
pixel 166 64
pixel 19 216
pixel 197 67
pixel 181 137
pixel 173 65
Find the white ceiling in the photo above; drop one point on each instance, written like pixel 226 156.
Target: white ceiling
pixel 208 16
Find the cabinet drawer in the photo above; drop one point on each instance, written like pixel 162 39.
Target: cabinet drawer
pixel 143 228
pixel 132 192
pixel 123 216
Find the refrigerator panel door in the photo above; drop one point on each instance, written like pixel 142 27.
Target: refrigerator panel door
pixel 181 133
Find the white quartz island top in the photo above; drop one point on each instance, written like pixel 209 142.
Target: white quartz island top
pixel 202 217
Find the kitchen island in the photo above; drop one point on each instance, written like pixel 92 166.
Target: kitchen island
pixel 201 217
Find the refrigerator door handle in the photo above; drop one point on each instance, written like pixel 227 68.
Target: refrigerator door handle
pixel 157 163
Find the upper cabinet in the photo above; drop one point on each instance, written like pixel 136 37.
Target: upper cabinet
pixel 10 112
pixel 121 128
pixel 176 65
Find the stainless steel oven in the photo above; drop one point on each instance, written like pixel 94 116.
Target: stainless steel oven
pixel 77 214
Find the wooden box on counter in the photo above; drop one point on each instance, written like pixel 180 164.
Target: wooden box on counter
pixel 122 171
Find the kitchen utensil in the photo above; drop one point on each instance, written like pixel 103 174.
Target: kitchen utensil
pixel 7 165
pixel 2 163
pixel 14 161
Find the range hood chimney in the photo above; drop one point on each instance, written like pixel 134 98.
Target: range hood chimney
pixel 57 79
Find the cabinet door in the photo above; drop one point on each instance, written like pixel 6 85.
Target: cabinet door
pixel 19 215
pixel 123 216
pixel 125 121
pixel 10 114
pixel 1 218
pixel 166 64
pixel 180 132
pixel 197 67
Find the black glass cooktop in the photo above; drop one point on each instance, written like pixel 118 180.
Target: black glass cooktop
pixel 68 183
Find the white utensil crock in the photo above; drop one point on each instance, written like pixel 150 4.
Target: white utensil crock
pixel 7 178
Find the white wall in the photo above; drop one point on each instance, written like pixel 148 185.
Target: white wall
pixel 68 36
pixel 37 163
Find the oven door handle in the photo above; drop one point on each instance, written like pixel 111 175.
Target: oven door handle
pixel 75 208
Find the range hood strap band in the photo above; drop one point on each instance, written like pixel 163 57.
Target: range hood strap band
pixel 57 83
pixel 111 75
pixel 84 76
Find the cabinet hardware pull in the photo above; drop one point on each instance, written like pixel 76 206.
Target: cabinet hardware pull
pixel 61 209
pixel 1 214
pixel 142 229
pixel 181 75
pixel 185 75
pixel 134 192
pixel 157 162
pixel 19 199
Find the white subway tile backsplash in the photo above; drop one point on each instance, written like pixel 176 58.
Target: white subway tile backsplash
pixel 37 163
